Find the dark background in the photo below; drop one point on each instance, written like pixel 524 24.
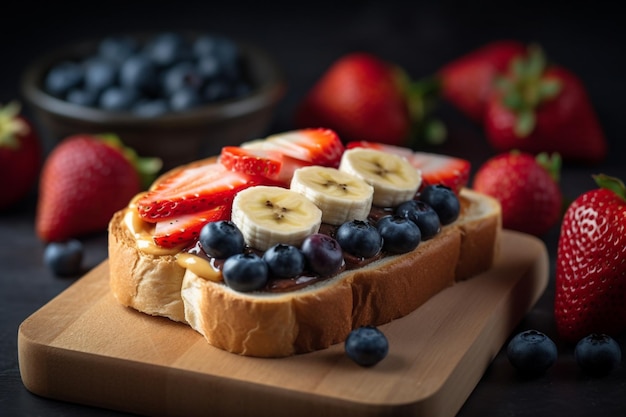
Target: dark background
pixel 306 37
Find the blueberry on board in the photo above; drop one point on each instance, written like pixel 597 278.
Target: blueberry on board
pixel 598 354
pixel 359 238
pixel 423 215
pixel 531 352
pixel 221 239
pixel 366 345
pixel 118 99
pixel 400 235
pixel 284 261
pixel 323 254
pixel 443 200
pixel 245 272
pixel 64 258
pixel 62 77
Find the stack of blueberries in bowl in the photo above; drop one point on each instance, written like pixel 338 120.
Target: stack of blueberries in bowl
pixel 179 96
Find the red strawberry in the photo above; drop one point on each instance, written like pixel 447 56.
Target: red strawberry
pixel 20 155
pixel 526 187
pixel 186 228
pixel 590 294
pixel 362 97
pixel 193 190
pixel 269 164
pixel 84 180
pixel 436 169
pixel 467 82
pixel 544 108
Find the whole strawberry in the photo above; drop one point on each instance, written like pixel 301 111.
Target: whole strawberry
pixel 20 155
pixel 527 188
pixel 84 180
pixel 590 295
pixel 468 81
pixel 540 107
pixel 362 97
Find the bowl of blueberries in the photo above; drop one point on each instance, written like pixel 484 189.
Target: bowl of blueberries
pixel 178 96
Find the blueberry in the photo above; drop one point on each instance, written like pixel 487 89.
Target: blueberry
pixel 167 48
pixel 284 261
pixel 205 45
pixel 323 254
pixel 117 48
pixel 64 258
pixel 82 97
pixel 151 108
pixel 181 75
pixel 366 346
pixel 118 99
pixel 359 238
pixel 400 235
pixel 100 74
pixel 216 90
pixel 245 272
pixel 423 215
pixel 138 73
pixel 63 77
pixel 185 99
pixel 597 354
pixel 443 200
pixel 208 67
pixel 221 239
pixel 531 352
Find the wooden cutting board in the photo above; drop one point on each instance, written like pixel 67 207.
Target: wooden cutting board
pixel 85 348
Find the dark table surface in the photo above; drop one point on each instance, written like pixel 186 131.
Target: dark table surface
pixel 306 38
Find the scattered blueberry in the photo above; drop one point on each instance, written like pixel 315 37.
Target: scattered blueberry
pixel 443 200
pixel 366 346
pixel 423 215
pixel 323 254
pixel 359 238
pixel 64 258
pixel 531 352
pixel 598 354
pixel 245 272
pixel 400 235
pixel 284 261
pixel 221 239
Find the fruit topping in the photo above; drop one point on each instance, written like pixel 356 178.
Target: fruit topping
pixel 366 346
pixel 267 215
pixel 423 215
pixel 221 239
pixel 400 235
pixel 598 354
pixel 65 259
pixel 340 196
pixel 179 230
pixel 284 261
pixel 443 200
pixel 359 238
pixel 317 146
pixel 260 162
pixel 531 352
pixel 393 178
pixel 323 254
pixel 245 272
pixel 193 190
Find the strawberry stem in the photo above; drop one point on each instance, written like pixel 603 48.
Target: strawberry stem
pixel 422 99
pixel 11 126
pixel 146 167
pixel 611 183
pixel 551 163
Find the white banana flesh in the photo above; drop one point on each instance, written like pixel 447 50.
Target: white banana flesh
pixel 393 178
pixel 268 215
pixel 341 196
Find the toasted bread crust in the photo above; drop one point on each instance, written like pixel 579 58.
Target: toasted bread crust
pixel 276 325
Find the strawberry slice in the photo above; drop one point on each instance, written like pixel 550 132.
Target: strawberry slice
pixel 317 146
pixel 270 164
pixel 436 169
pixel 193 190
pixel 186 228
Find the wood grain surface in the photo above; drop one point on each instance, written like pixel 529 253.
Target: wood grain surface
pixel 85 348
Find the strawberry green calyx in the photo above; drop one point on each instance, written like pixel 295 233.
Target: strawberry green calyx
pixel 146 167
pixel 11 126
pixel 551 163
pixel 611 183
pixel 525 88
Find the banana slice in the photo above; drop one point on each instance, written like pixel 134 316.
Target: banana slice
pixel 341 196
pixel 269 215
pixel 394 179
